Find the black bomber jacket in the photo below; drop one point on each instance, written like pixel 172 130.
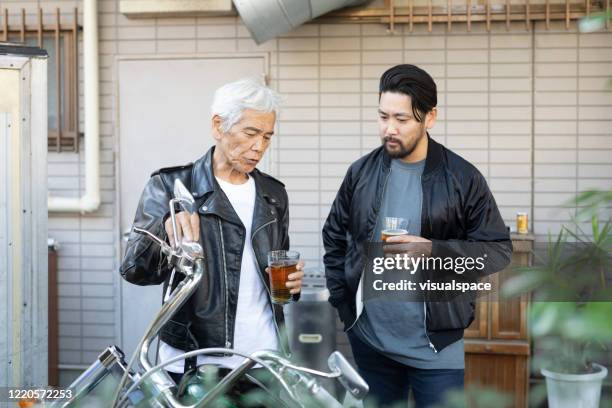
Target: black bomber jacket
pixel 459 215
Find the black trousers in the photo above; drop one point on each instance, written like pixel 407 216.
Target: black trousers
pixel 390 381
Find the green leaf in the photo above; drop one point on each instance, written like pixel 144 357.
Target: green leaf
pixel 591 322
pixel 524 282
pixel 595 226
pixel 544 319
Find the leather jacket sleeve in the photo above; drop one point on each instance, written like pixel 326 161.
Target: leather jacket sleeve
pixel 143 263
pixel 335 242
pixel 486 233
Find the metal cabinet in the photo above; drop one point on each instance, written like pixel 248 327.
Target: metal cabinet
pixel 23 215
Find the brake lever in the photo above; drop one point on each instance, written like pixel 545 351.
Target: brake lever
pixel 174 256
pixel 166 249
pixel 333 374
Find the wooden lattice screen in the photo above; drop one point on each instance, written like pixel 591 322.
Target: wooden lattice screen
pixel 61 42
pixel 447 12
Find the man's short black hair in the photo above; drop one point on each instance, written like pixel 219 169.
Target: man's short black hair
pixel 412 81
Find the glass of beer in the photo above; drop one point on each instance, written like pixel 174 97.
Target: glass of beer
pixel 281 263
pixel 393 226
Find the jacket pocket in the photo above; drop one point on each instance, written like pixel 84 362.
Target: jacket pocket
pixel 455 314
pixel 346 314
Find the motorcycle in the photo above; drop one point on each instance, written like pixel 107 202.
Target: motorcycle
pixel 110 381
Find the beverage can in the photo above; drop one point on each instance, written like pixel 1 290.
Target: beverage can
pixel 522 223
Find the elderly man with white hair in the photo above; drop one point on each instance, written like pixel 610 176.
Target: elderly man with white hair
pixel 242 214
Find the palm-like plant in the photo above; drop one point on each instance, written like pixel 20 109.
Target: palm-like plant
pixel 571 309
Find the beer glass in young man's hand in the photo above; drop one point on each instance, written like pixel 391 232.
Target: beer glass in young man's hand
pixel 393 226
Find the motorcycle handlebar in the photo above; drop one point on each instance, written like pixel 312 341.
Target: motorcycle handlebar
pixel 324 398
pixel 188 259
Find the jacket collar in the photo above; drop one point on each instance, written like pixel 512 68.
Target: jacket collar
pixel 432 160
pixel 434 156
pixel 202 176
pixel 210 198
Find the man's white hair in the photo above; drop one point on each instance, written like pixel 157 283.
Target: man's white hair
pixel 233 98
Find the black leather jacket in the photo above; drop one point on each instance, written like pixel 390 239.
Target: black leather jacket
pixel 207 319
pixel 459 216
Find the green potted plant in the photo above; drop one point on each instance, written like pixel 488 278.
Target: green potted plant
pixel 571 310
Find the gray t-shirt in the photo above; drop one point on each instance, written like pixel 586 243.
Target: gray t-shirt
pixel 397 329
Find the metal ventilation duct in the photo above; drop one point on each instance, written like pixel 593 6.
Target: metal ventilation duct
pixel 266 19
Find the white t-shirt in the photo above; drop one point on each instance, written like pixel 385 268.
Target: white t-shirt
pixel 254 329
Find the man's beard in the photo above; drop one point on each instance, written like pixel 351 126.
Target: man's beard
pixel 404 150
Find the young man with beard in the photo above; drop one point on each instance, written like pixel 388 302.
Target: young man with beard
pixel 400 346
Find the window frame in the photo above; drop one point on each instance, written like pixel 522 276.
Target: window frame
pixel 65 137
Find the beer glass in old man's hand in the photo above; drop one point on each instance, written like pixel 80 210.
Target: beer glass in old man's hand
pixel 281 263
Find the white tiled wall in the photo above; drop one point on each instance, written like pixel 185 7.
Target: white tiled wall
pixel 532 110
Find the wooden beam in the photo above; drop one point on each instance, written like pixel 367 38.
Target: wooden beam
pixel 23 23
pixel 58 79
pixel 411 15
pixel 39 31
pixel 481 18
pixel 5 29
pixel 46 28
pixel 507 15
pixel 588 7
pixel 74 105
pixel 527 17
pixel 391 15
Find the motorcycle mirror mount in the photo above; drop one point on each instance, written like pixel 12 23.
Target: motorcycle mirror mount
pixel 349 378
pixel 185 198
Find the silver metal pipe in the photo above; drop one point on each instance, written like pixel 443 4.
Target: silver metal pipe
pixel 207 351
pixel 92 376
pixel 226 383
pixel 160 381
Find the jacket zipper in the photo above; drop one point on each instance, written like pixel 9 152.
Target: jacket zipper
pixel 376 208
pixel 228 344
pixel 264 283
pixel 431 346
